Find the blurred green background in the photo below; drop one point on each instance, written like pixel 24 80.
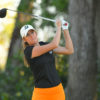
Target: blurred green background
pixel 16 80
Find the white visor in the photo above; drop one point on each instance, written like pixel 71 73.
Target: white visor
pixel 24 30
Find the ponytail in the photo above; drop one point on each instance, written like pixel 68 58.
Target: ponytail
pixel 24 45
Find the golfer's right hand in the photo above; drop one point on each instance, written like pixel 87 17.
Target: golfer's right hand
pixel 58 23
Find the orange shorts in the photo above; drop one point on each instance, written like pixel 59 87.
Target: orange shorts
pixel 52 93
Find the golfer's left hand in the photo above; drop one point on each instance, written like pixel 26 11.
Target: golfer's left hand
pixel 65 25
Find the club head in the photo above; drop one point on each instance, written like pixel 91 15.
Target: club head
pixel 3 12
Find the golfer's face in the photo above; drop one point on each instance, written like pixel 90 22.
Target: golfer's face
pixel 31 37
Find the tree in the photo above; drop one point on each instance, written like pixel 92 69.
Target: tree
pixel 84 15
pixel 21 19
pixel 17 78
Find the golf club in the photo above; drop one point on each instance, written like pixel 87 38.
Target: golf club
pixel 3 13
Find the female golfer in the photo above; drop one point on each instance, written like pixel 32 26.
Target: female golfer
pixel 40 58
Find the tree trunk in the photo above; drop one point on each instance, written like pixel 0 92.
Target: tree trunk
pixel 15 44
pixel 97 27
pixel 83 63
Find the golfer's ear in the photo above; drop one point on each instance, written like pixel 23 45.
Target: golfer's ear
pixel 24 39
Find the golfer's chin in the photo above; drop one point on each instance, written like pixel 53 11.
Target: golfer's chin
pixel 34 43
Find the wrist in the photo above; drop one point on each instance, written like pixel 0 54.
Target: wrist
pixel 58 26
pixel 66 31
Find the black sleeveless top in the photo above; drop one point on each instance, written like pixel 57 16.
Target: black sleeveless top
pixel 43 68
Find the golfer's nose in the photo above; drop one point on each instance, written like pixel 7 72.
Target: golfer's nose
pixel 31 35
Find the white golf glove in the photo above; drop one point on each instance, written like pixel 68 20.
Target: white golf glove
pixel 65 24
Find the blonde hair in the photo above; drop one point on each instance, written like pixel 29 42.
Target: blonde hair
pixel 24 45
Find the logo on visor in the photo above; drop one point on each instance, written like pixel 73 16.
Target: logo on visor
pixel 26 27
pixel 50 52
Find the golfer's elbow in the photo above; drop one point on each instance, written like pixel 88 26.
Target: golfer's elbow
pixel 71 51
pixel 55 44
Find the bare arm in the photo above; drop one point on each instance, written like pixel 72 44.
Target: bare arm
pixel 68 49
pixel 39 50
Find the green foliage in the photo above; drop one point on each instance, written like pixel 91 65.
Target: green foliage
pixel 60 5
pixel 62 68
pixel 25 5
pixel 17 82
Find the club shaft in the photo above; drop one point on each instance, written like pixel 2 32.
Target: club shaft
pixel 35 16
